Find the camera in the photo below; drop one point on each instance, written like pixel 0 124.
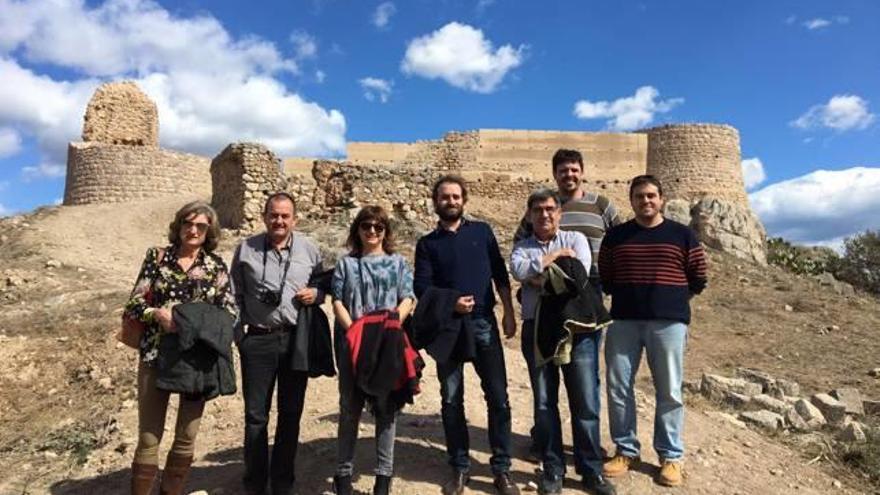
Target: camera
pixel 268 296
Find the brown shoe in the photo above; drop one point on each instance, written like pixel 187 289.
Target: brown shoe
pixel 503 485
pixel 670 473
pixel 456 485
pixel 174 475
pixel 142 478
pixel 619 465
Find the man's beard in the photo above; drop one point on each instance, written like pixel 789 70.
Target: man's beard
pixel 449 214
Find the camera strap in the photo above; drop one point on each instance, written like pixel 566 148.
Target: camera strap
pixel 286 263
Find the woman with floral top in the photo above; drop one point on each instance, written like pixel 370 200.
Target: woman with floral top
pixel 372 277
pixel 185 271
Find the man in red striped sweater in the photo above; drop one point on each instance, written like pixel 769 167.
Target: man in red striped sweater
pixel 651 266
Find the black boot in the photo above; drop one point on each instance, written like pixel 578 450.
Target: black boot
pixel 342 485
pixel 383 485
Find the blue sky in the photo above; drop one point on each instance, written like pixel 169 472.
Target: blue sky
pixel 799 79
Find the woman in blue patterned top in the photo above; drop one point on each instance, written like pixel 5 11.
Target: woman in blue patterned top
pixel 371 278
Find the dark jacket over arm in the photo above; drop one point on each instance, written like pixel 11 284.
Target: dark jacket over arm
pixel 312 347
pixel 196 361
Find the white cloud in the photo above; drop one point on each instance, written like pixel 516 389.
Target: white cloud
pixel 383 13
pixel 376 89
pixel 304 45
pixel 320 76
pixel 627 113
pixel 790 19
pixel 126 36
pixel 44 170
pixel 817 23
pixel 10 142
pixel 821 206
pixel 210 88
pixel 753 172
pixel 462 56
pixel 841 113
pixel 4 211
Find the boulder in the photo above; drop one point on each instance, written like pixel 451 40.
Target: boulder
pixel 765 419
pixel 833 410
pixel 730 227
pixel 794 421
pixel 766 381
pixel 716 386
pixel 771 404
pixel 810 413
pixel 678 210
pixel 736 400
pixel 853 432
pixel 851 398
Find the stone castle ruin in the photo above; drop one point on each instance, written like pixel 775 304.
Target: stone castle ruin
pixel 699 165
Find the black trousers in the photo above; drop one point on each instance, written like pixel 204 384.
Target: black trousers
pixel 265 359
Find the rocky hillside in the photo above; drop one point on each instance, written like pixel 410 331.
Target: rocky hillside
pixel 68 415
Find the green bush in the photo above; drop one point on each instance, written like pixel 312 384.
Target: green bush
pixel 860 264
pixel 798 259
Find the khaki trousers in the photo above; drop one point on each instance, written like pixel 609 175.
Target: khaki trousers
pixel 152 409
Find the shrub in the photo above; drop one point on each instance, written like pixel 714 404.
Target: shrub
pixel 798 259
pixel 860 264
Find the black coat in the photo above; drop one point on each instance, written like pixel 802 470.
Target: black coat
pixel 311 348
pixel 437 328
pixel 196 361
pixel 575 308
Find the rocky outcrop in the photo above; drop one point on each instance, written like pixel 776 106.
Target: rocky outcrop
pixel 730 227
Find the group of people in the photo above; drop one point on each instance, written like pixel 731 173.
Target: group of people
pixel 570 247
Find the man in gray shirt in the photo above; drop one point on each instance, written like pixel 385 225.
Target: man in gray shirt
pixel 530 257
pixel 270 274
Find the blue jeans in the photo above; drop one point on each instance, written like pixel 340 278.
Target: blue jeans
pixel 581 377
pixel 664 342
pixel 489 365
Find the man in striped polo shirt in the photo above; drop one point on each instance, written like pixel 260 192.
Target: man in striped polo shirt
pixel 589 213
pixel 651 266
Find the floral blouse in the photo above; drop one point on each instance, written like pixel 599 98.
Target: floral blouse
pixel 163 283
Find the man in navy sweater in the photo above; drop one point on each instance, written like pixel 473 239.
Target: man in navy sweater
pixel 651 266
pixel 463 255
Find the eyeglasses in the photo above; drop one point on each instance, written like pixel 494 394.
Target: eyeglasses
pixel 200 226
pixel 540 210
pixel 368 226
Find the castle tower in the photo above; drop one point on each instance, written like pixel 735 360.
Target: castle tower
pixel 119 158
pixel 120 113
pixel 697 160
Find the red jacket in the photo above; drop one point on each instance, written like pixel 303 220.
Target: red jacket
pixel 386 366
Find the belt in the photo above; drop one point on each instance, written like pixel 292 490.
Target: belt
pixel 258 330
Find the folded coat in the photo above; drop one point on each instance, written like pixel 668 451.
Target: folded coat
pixel 196 360
pixel 386 367
pixel 311 348
pixel 437 328
pixel 567 305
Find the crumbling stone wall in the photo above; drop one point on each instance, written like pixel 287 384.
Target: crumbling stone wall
pixel 697 160
pixel 113 173
pixel 120 113
pixel 342 188
pixel 243 175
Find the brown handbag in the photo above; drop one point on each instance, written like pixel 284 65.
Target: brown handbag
pixel 132 330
